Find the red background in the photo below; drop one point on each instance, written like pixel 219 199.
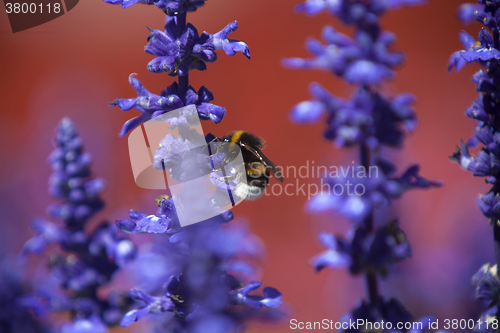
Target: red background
pixel 77 64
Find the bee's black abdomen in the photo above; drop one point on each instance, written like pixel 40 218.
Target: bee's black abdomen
pixel 261 181
pixel 251 140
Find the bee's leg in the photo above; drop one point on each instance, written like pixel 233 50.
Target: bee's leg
pixel 229 178
pixel 207 145
pixel 220 199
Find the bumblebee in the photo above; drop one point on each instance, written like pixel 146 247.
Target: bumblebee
pixel 258 167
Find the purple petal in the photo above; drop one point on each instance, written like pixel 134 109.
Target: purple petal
pixel 127 226
pixel 367 72
pixel 139 88
pixel 272 298
pixel 153 224
pixel 230 46
pixel 128 3
pixel 211 111
pixel 456 61
pixel 331 259
pixel 466 40
pixel 332 36
pixel 295 63
pixel 481 54
pixel 205 95
pixel 132 123
pixel 307 112
pixel 249 287
pixel 466 11
pixel 172 284
pixel 84 325
pixel 315 47
pixel 124 103
pixel 311 7
pixel 485 38
pixel 321 203
pixel 329 241
pixel 132 316
pixel 161 64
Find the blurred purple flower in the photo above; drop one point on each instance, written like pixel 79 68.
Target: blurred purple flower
pixel 355 197
pixel 361 61
pixel 91 324
pixel 371 122
pixel 206 252
pixel 367 118
pixel 466 12
pixel 351 12
pixel 364 252
pixel 88 260
pixel 153 305
pixel 68 180
pixel 487 284
pixel 14 316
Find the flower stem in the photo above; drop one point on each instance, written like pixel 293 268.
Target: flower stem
pixel 370 278
pixel 183 81
pixel 183 85
pixel 496 39
pixel 496 240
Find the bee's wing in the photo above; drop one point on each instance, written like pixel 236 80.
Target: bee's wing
pixel 266 161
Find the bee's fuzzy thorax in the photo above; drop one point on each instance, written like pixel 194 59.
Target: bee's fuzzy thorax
pixel 244 137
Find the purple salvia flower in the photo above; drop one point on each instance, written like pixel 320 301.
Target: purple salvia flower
pixel 179 52
pixel 467 11
pixel 356 197
pixel 87 260
pixel 360 61
pixel 153 305
pixel 352 122
pixel 365 251
pixel 165 221
pixel 219 41
pixel 370 121
pixel 206 253
pixel 91 324
pixel 486 163
pixel 151 105
pixel 271 299
pixel 14 316
pixel 46 232
pixel 487 284
pixel 68 181
pixel 200 266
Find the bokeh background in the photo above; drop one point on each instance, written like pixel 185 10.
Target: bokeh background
pixel 77 64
